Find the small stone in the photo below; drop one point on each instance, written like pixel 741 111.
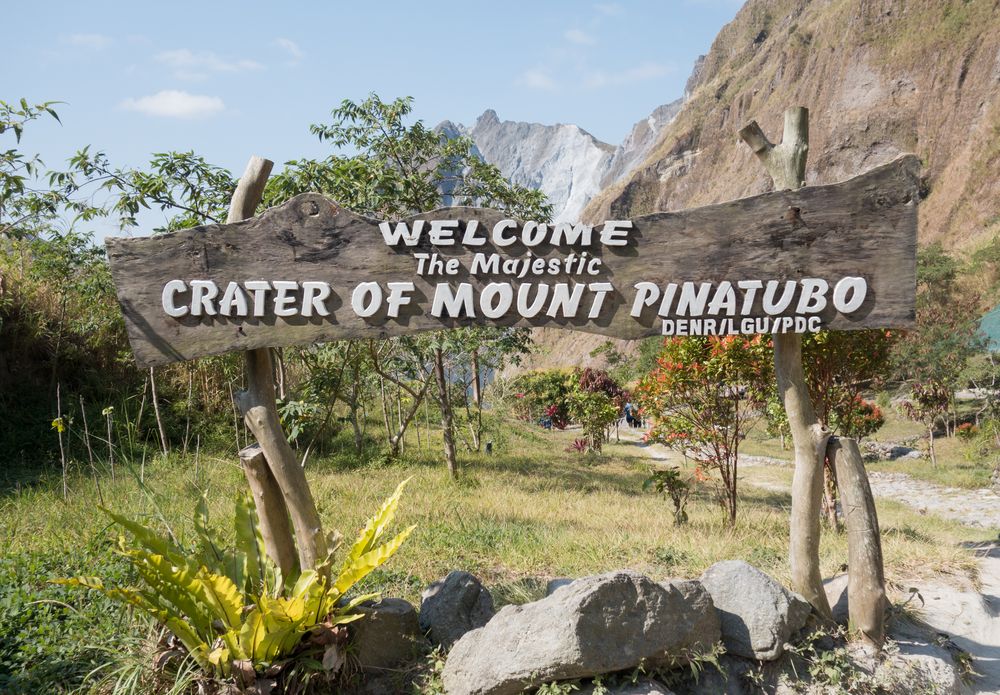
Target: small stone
pixel 452 606
pixel 643 688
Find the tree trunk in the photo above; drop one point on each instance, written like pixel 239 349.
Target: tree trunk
pixel 257 403
pixel 61 424
pixel 111 448
pixel 359 441
pixel 164 447
pixel 385 407
pixel 786 163
pixel 271 510
pixel 279 358
pixel 477 396
pixel 90 451
pixel 446 417
pixel 406 418
pixel 866 598
pixel 830 494
pixel 930 434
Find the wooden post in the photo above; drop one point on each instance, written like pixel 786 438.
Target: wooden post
pixel 164 447
pixel 447 425
pixel 260 413
pixel 866 598
pixel 271 510
pixel 786 163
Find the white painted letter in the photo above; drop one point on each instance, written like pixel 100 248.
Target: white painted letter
pixel 282 300
pixel 813 297
pixel 445 300
pixel 645 294
pixel 771 307
pixel 202 294
pixel 402 232
pixel 503 225
pixel 233 298
pixel 259 289
pixel 443 232
pixel 314 296
pixel 495 299
pixel 602 289
pixel 169 292
pixel 858 287
pixel 615 232
pixel 398 296
pixel 366 299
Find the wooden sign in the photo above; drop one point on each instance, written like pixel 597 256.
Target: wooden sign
pixel 840 256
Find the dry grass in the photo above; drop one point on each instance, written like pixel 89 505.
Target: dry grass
pixel 531 512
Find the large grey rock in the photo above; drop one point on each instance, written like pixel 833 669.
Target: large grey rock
pixel 556 583
pixel 388 635
pixel 758 614
pixel 452 606
pixel 836 593
pixel 593 626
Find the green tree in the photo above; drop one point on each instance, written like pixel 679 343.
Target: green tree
pixel 704 396
pixel 933 355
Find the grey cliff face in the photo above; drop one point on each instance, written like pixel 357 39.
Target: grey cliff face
pixel 568 164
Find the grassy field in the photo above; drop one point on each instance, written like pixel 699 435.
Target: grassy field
pixel 530 512
pixel 956 467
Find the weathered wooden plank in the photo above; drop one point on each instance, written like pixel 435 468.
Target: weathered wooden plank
pixel 864 227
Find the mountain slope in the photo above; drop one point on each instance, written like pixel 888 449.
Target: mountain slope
pixel 565 162
pixel 880 77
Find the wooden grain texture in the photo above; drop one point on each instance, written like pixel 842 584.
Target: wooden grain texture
pixel 271 511
pixel 866 599
pixel 865 226
pixel 786 165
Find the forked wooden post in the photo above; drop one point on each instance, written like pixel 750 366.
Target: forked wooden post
pixel 866 598
pixel 786 163
pixel 260 412
pixel 271 510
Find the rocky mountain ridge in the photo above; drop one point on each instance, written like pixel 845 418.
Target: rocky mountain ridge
pixel 564 161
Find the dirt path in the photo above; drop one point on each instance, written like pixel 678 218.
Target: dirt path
pixel 967 615
pixel 971 618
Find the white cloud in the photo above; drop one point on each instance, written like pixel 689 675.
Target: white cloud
pixel 639 73
pixel 609 9
pixel 94 42
pixel 295 53
pixel 172 103
pixel 581 38
pixel 535 78
pixel 194 65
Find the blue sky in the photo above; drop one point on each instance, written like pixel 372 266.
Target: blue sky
pixel 233 79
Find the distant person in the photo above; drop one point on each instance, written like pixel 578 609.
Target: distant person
pixel 632 416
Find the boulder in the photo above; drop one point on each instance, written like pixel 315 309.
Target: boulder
pixel 758 614
pixel 556 583
pixel 388 635
pixel 836 594
pixel 452 606
pixel 596 625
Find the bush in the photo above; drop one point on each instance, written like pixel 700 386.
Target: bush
pixel 230 607
pixel 543 393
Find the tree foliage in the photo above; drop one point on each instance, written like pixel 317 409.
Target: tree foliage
pixel 704 396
